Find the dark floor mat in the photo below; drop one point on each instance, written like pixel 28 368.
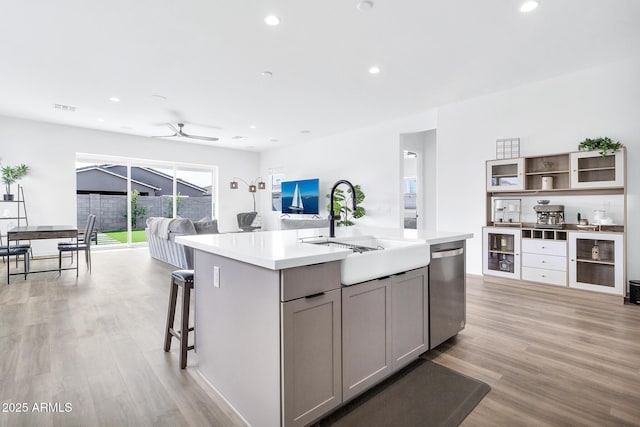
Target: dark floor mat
pixel 422 394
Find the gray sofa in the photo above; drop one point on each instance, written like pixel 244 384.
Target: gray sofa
pixel 161 234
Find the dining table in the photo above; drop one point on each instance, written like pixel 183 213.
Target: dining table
pixel 39 232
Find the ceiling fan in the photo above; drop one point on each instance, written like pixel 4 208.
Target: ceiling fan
pixel 178 132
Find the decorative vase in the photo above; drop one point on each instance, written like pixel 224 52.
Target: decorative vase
pixel 547 183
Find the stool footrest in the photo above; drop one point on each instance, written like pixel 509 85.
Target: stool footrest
pixel 178 334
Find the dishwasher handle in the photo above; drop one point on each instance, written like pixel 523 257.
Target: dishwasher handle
pixel 447 253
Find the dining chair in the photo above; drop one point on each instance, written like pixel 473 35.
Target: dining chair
pixel 83 244
pixel 16 247
pixel 94 235
pixel 16 251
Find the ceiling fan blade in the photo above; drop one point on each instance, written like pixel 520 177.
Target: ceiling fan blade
pixel 173 128
pixel 203 138
pixel 164 136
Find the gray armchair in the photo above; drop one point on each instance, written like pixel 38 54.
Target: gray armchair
pixel 245 219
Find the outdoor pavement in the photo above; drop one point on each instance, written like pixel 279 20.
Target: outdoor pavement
pixel 103 239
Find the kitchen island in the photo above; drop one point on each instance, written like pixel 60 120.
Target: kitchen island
pixel 269 320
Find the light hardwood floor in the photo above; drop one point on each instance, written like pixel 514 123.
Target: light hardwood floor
pixel 97 343
pixel 552 356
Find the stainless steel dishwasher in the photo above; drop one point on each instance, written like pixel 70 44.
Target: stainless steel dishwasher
pixel 447 296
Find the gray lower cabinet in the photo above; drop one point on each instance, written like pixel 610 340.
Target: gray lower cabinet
pixel 311 357
pixel 337 344
pixel 409 316
pixel 366 344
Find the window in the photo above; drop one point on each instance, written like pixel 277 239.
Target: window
pixel 124 192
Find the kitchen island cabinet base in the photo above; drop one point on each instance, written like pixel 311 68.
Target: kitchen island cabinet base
pixel 238 350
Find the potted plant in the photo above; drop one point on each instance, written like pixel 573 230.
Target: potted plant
pixel 603 144
pixel 342 209
pixel 11 174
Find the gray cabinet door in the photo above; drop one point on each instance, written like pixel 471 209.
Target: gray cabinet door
pixel 409 316
pixel 366 340
pixel 311 357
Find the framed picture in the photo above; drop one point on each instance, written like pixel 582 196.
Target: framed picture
pixel 276 181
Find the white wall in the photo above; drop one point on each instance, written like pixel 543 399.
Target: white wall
pixel 50 151
pixel 551 116
pixel 370 157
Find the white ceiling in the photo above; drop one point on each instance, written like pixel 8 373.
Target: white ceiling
pixel 206 58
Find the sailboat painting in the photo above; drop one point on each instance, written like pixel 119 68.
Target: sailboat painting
pixel 296 201
pixel 300 197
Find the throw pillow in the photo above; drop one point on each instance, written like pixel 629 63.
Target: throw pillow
pixel 209 226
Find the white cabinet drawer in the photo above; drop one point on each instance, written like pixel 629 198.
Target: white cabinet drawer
pixel 550 247
pixel 548 262
pixel 550 277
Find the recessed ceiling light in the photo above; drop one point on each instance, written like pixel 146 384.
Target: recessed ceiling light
pixel 164 98
pixel 266 74
pixel 114 99
pixel 252 126
pixel 365 5
pixel 237 137
pixel 374 70
pixel 126 127
pixel 271 20
pixel 528 6
pixel 305 131
pixel 101 120
pixel 274 140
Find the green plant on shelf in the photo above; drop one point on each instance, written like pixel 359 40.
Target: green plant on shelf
pixel 11 174
pixel 604 145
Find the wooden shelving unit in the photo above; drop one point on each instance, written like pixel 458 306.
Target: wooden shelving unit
pixel 555 166
pixel 574 174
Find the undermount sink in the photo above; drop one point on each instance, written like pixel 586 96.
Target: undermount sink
pixel 375 257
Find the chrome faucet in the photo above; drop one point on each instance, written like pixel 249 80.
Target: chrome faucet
pixel 332 217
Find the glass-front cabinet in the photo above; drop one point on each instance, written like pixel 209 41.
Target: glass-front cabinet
pixel 501 252
pixel 589 169
pixel 505 175
pixel 596 262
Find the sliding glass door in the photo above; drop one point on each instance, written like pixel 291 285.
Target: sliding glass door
pixel 123 193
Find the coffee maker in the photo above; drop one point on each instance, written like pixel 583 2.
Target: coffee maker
pixel 549 216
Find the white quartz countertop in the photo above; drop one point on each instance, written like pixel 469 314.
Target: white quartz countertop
pixel 280 249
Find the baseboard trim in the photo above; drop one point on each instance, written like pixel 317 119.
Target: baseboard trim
pixel 201 378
